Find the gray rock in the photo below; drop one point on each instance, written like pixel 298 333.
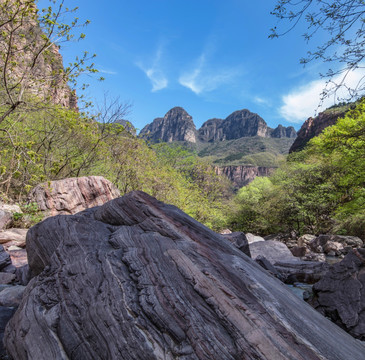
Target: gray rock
pixel 11 296
pixel 272 250
pixel 251 238
pixel 239 240
pixel 6 278
pixel 308 272
pixel 5 260
pixel 6 314
pixel 340 294
pixel 138 279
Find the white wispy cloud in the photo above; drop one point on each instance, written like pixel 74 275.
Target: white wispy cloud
pixel 201 78
pixel 262 101
pixel 154 72
pixel 108 72
pixel 305 101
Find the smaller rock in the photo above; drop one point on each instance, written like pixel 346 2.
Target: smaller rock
pixel 14 237
pixel 12 296
pixel 18 257
pixel 253 238
pixel 308 272
pixel 6 214
pixel 272 250
pixel 4 258
pixel 299 251
pixel 23 275
pixel 239 240
pixel 14 248
pixel 6 278
pixel 333 247
pixel 266 264
pixel 71 195
pixel 305 239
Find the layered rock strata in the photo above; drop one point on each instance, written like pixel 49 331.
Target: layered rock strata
pixel 71 195
pixel 139 279
pixel 243 175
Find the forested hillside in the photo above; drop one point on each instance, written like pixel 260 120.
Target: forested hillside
pixel 318 190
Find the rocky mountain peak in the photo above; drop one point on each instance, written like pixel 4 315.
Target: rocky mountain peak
pixel 176 125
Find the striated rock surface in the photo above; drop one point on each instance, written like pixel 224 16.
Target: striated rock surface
pixel 176 125
pixel 71 195
pixel 313 127
pixel 138 279
pixel 340 294
pixel 243 175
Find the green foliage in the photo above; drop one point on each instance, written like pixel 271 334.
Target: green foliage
pixel 29 216
pixel 54 143
pixel 319 190
pixel 256 151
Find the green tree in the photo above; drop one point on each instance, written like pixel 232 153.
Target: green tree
pixel 29 60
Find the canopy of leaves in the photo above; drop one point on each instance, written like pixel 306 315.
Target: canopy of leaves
pixel 319 190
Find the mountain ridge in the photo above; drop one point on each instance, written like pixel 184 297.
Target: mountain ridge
pixel 178 125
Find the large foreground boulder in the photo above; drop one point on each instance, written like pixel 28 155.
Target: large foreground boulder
pixel 139 279
pixel 71 195
pixel 340 294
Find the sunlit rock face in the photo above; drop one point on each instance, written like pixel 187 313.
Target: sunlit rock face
pixel 313 127
pixel 241 123
pixel 176 125
pixel 138 279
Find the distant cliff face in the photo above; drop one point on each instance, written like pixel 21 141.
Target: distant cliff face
pixel 241 123
pixel 176 125
pixel 243 175
pixel 313 127
pixel 33 64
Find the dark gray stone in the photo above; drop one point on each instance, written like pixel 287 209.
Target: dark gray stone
pixel 340 294
pixel 139 279
pixel 5 260
pixel 239 240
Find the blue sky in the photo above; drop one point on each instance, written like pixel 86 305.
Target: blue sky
pixel 210 57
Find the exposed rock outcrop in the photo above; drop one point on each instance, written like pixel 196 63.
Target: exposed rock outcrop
pixel 34 64
pixel 340 294
pixel 241 123
pixel 176 125
pixel 313 127
pixel 138 279
pixel 71 195
pixel 243 175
